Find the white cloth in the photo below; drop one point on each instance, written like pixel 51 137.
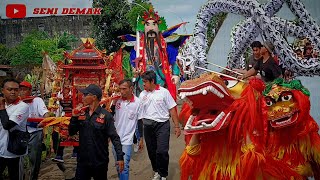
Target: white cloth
pixel 155 105
pixel 126 118
pixel 37 109
pixel 17 113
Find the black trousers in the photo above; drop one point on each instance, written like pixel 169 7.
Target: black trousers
pixel 13 167
pixel 58 150
pixel 97 172
pixel 157 135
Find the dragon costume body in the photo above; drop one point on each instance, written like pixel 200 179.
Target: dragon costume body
pixel 227 132
pixel 293 133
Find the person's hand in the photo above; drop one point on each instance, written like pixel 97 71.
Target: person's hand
pixel 175 79
pixel 77 110
pixel 40 125
pixel 120 165
pixel 140 144
pixel 177 131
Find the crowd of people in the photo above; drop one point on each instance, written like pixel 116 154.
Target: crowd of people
pixel 149 114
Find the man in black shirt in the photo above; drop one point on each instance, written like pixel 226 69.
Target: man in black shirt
pixel 94 131
pixel 268 68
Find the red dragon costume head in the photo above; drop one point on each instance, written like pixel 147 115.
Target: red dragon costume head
pixel 227 117
pixel 293 133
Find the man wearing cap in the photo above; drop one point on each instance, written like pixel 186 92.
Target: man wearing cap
pixel 94 132
pixel 267 66
pixel 37 109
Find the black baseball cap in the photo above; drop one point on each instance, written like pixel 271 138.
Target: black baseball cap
pixel 92 89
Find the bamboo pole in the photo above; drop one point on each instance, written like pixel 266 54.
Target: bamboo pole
pixel 225 68
pixel 219 73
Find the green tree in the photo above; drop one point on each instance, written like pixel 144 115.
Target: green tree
pixel 64 40
pixel 110 24
pixel 31 49
pixel 214 26
pixel 4 55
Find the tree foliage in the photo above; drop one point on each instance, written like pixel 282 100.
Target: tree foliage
pixel 110 24
pixel 32 47
pixel 214 26
pixel 4 55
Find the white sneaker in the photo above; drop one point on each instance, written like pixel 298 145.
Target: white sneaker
pixel 156 176
pixel 135 148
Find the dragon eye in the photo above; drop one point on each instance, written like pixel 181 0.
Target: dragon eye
pixel 230 83
pixel 269 101
pixel 286 96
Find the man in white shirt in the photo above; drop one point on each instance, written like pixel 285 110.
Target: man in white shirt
pixel 37 109
pixel 125 112
pixel 157 105
pixel 13 116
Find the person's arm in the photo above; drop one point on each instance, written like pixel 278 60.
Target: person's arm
pixel 113 109
pixel 6 123
pixel 115 139
pixel 18 117
pixel 174 116
pixel 74 125
pixel 140 130
pixel 42 108
pixel 171 104
pixel 112 133
pixel 249 73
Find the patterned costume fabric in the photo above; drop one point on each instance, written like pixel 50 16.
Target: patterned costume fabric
pixel 260 20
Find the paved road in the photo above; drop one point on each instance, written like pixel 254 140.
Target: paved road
pixel 140 166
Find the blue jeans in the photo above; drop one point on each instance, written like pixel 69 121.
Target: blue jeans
pixel 124 175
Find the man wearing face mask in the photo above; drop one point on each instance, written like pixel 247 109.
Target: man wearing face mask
pixel 94 132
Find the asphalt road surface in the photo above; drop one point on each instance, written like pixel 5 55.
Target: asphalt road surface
pixel 140 166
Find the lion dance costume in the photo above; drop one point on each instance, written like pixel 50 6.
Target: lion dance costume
pixel 293 133
pixel 227 133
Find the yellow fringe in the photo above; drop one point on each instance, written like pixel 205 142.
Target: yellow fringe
pixel 304 170
pixel 193 150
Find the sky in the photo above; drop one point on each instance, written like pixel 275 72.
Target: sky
pixel 174 11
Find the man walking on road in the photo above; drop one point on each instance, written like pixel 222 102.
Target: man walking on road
pixel 156 108
pixel 126 118
pixel 37 109
pixel 94 132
